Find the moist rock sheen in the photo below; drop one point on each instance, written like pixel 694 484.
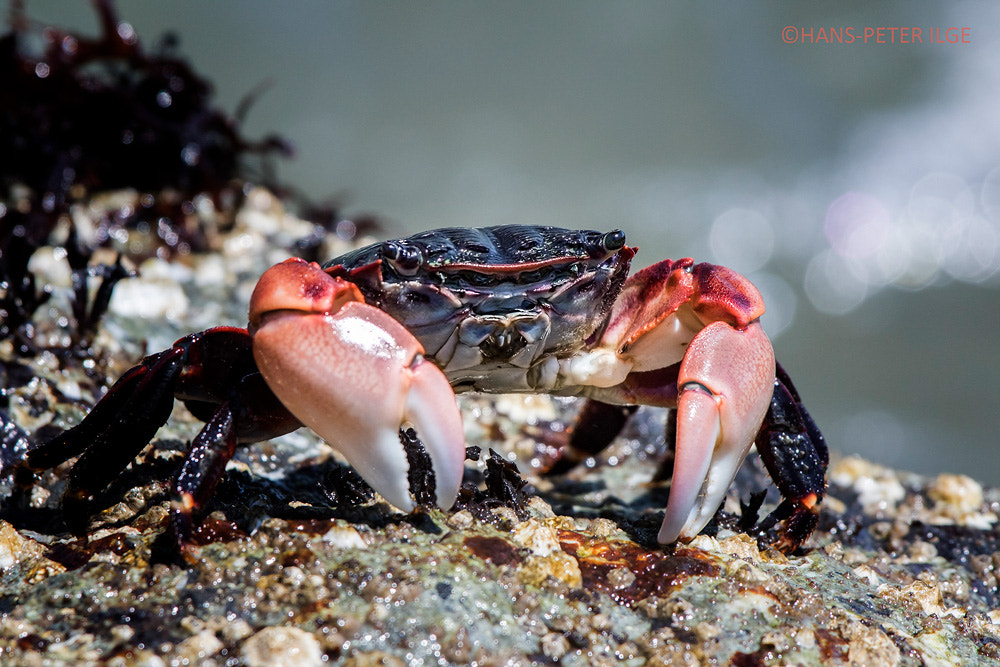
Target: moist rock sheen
pixel 902 569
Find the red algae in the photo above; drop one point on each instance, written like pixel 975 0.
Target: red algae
pixel 653 572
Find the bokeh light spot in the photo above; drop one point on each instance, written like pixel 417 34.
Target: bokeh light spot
pixel 832 285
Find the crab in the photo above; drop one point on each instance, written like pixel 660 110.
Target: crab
pixel 383 338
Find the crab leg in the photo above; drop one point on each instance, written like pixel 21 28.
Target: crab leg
pixel 354 375
pixel 725 385
pixel 794 452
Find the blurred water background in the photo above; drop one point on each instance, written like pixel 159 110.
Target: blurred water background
pixel 857 184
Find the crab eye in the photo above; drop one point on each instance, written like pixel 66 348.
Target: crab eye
pixel 613 240
pixel 405 259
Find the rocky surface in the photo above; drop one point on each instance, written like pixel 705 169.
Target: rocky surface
pixel 291 568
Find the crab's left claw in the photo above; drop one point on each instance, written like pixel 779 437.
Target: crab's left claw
pixel 724 385
pixel 354 375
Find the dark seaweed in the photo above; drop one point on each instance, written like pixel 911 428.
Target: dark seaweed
pixel 93 114
pixel 504 487
pixel 420 471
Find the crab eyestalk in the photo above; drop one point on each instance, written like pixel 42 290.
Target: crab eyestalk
pixel 354 375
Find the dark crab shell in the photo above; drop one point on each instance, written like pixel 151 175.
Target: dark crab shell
pixel 507 248
pixel 489 304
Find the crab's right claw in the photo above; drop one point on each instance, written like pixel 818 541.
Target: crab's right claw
pixel 354 375
pixel 725 384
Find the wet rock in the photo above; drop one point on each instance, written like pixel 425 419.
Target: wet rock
pixel 282 647
pixel 902 569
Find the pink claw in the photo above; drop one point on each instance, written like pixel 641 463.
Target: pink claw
pixel 354 375
pixel 725 385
